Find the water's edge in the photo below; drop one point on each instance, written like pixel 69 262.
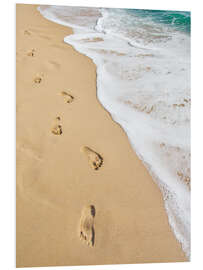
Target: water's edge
pixel 179 228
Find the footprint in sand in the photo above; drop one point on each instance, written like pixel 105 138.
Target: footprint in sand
pixel 87 233
pixel 94 159
pixel 26 32
pixel 38 79
pixel 31 53
pixel 57 128
pixel 67 97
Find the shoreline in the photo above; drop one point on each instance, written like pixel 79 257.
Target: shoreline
pixel 54 179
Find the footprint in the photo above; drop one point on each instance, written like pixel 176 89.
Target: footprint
pixel 67 97
pixel 87 232
pixel 26 32
pixel 31 53
pixel 94 159
pixel 38 79
pixel 57 128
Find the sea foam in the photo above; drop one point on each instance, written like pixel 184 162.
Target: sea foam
pixel 143 80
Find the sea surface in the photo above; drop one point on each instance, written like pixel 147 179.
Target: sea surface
pixel 143 80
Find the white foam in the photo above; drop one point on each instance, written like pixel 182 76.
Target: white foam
pixel 143 80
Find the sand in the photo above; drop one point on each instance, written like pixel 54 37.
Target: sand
pixel 58 179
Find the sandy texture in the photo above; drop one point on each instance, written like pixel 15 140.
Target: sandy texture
pixel 56 180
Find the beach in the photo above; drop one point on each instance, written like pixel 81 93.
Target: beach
pixel 55 181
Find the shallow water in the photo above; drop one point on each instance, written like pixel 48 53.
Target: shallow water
pixel 143 80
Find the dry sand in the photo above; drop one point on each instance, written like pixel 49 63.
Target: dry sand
pixel 55 181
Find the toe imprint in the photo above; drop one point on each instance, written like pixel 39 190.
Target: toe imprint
pixel 67 97
pixel 37 79
pixel 31 53
pixel 94 159
pixel 57 128
pixel 87 232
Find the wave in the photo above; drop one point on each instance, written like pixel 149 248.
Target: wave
pixel 143 80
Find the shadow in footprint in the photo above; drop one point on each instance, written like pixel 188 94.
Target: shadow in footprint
pixel 57 128
pixel 87 232
pixel 31 53
pixel 95 160
pixel 66 97
pixel 38 79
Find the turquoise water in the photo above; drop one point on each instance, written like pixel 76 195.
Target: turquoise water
pixel 181 20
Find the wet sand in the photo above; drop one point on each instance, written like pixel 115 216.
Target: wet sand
pixel 59 182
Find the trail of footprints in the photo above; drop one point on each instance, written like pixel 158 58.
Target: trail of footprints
pixel 95 160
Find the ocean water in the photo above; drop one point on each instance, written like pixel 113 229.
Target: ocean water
pixel 143 80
